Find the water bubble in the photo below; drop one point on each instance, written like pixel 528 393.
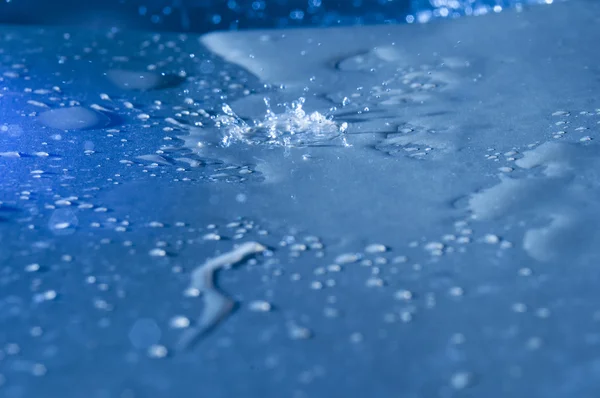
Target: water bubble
pixel 144 333
pixel 74 118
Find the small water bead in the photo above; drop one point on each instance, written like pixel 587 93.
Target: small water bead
pixel 316 246
pixel 12 349
pixel 458 338
pixel 525 271
pixel 179 322
pixel 434 246
pixel 259 306
pixel 402 294
pixel 61 225
pixel 347 258
pixel 32 267
pixel 330 312
pixel 36 331
pixel 48 295
pixel 461 380
pixel 39 370
pixel 157 252
pixel 356 337
pixel 406 316
pixel 400 260
pixel 375 282
pixel 316 285
pixel 319 271
pixel 491 239
pixel 211 236
pixel 157 351
pixel 296 332
pixel 534 343
pixel 542 312
pixel 381 260
pixel 298 247
pixel 505 244
pixel 375 248
pixel 191 292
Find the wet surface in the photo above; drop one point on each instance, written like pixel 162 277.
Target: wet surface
pixel 412 217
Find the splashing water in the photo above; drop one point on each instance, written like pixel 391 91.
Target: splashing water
pixel 293 127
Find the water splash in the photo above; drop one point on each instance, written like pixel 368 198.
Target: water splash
pixel 293 127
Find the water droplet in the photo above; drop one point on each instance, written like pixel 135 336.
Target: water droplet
pixel 157 351
pixel 375 248
pixel 74 118
pixel 179 322
pixel 259 306
pixel 461 380
pixel 347 258
pixel 296 332
pixel 157 252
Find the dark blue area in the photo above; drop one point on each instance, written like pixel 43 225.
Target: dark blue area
pixel 203 15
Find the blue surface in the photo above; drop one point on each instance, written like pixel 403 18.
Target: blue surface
pixel 472 159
